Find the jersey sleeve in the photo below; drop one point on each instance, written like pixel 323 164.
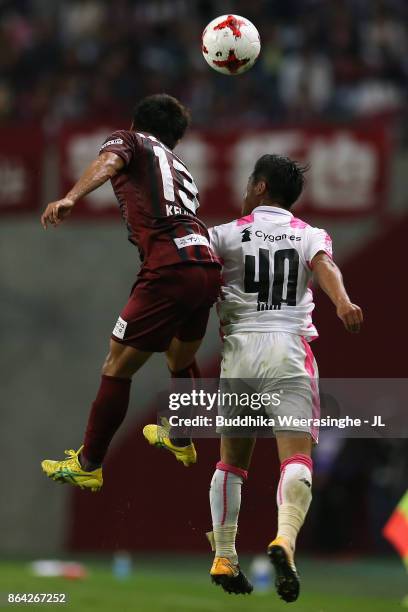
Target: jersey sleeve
pixel 121 143
pixel 216 240
pixel 318 240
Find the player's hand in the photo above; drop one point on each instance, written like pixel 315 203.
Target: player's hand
pixel 56 212
pixel 351 315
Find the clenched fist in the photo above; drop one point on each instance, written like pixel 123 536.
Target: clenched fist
pixel 351 315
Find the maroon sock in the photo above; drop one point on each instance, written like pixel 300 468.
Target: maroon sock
pixel 107 413
pixel 192 372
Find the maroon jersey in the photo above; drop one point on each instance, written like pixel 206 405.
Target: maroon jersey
pixel 158 200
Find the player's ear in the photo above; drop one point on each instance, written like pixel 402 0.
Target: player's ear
pixel 260 187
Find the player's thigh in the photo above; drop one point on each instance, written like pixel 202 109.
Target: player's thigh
pixel 170 302
pixel 152 314
pixel 237 451
pixel 201 286
pixel 123 360
pixel 181 354
pixel 239 356
pixel 291 443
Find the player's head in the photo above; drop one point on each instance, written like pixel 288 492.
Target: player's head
pixel 276 180
pixel 162 116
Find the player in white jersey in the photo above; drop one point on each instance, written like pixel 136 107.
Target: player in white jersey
pixel 269 260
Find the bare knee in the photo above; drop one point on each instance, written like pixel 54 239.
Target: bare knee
pixel 174 364
pixel 109 365
pixel 181 355
pixel 123 361
pixel 113 366
pixel 178 361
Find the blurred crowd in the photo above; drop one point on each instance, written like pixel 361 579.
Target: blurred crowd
pixel 74 59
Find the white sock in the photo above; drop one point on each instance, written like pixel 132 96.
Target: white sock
pixel 225 500
pixel 294 496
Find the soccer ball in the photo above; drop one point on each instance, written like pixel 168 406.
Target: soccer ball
pixel 231 44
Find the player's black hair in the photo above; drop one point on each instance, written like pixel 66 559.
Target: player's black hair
pixel 162 116
pixel 284 178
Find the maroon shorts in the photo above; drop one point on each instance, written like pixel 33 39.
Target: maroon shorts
pixel 171 302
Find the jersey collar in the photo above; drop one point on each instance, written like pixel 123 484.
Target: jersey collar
pixel 273 210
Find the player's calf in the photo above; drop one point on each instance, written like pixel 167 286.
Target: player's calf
pixel 294 496
pixel 225 500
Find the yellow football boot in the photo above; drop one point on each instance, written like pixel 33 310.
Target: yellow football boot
pixel 286 577
pixel 230 577
pixel 70 470
pixel 158 435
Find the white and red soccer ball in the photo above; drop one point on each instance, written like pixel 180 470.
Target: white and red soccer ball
pixel 231 44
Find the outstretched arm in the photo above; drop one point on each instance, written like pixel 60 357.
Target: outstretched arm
pixel 329 277
pixel 97 173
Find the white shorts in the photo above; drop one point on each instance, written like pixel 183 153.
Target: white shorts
pixel 274 363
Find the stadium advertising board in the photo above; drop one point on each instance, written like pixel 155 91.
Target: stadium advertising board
pixel 348 173
pixel 21 160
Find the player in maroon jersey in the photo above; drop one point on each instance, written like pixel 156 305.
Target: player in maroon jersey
pixel 177 285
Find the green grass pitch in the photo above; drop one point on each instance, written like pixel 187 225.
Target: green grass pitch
pixel 181 584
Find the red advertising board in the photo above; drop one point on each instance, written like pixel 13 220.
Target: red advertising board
pixel 21 166
pixel 348 172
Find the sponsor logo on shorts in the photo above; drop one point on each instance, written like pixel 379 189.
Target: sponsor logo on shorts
pixel 191 240
pixel 112 142
pixel 120 328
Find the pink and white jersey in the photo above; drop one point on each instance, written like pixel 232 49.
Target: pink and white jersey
pixel 267 272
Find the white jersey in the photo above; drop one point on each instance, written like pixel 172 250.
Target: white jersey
pixel 267 273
